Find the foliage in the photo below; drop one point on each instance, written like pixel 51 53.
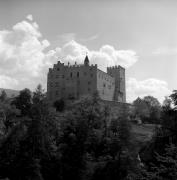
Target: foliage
pixel 3 96
pixel 148 109
pixel 59 105
pixel 86 142
pixel 8 116
pixel 173 96
pixel 141 108
pixel 31 143
pixel 23 102
pixel 165 168
pixel 163 159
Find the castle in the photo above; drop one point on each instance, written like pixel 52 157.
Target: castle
pixel 74 81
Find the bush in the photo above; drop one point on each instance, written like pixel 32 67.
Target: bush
pixel 59 105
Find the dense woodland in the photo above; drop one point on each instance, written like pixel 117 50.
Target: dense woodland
pixel 85 142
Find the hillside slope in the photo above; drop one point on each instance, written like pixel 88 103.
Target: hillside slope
pixel 10 92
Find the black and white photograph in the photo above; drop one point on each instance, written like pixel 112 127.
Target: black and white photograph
pixel 88 90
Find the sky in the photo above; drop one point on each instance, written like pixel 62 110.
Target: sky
pixel 140 35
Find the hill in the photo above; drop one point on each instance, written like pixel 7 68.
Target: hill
pixel 142 134
pixel 10 92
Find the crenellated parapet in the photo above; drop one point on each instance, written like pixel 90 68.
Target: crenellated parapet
pixel 115 67
pixel 59 64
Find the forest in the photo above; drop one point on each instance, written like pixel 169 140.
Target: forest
pixel 85 141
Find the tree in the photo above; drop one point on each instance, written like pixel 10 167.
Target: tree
pixel 141 108
pixel 165 168
pixel 167 104
pixel 23 102
pixel 148 109
pixel 164 159
pixel 3 96
pixel 151 101
pixel 154 108
pixel 38 95
pixel 173 96
pixel 30 148
pixel 80 131
pixel 59 105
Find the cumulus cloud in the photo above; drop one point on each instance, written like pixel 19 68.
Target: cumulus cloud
pixel 22 55
pixel 153 87
pixel 106 56
pixel 24 61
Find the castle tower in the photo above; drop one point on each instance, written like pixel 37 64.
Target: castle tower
pixel 118 73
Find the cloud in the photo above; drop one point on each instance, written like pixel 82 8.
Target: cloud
pixel 7 82
pixel 22 55
pixel 29 17
pixel 24 60
pixel 106 56
pixel 154 87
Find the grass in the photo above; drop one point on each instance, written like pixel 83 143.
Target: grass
pixel 142 134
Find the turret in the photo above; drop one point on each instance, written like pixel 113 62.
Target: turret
pixel 86 61
pixel 118 73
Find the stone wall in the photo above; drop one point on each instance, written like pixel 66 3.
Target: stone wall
pixel 118 108
pixel 118 73
pixel 105 85
pixel 71 81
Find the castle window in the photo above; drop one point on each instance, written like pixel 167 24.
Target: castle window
pixel 104 85
pixel 51 84
pixel 58 69
pixel 77 74
pixel 71 74
pixel 56 84
pixel 63 76
pixel 91 75
pixel 88 89
pixel 89 82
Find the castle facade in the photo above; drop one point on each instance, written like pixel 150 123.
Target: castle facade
pixel 72 82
